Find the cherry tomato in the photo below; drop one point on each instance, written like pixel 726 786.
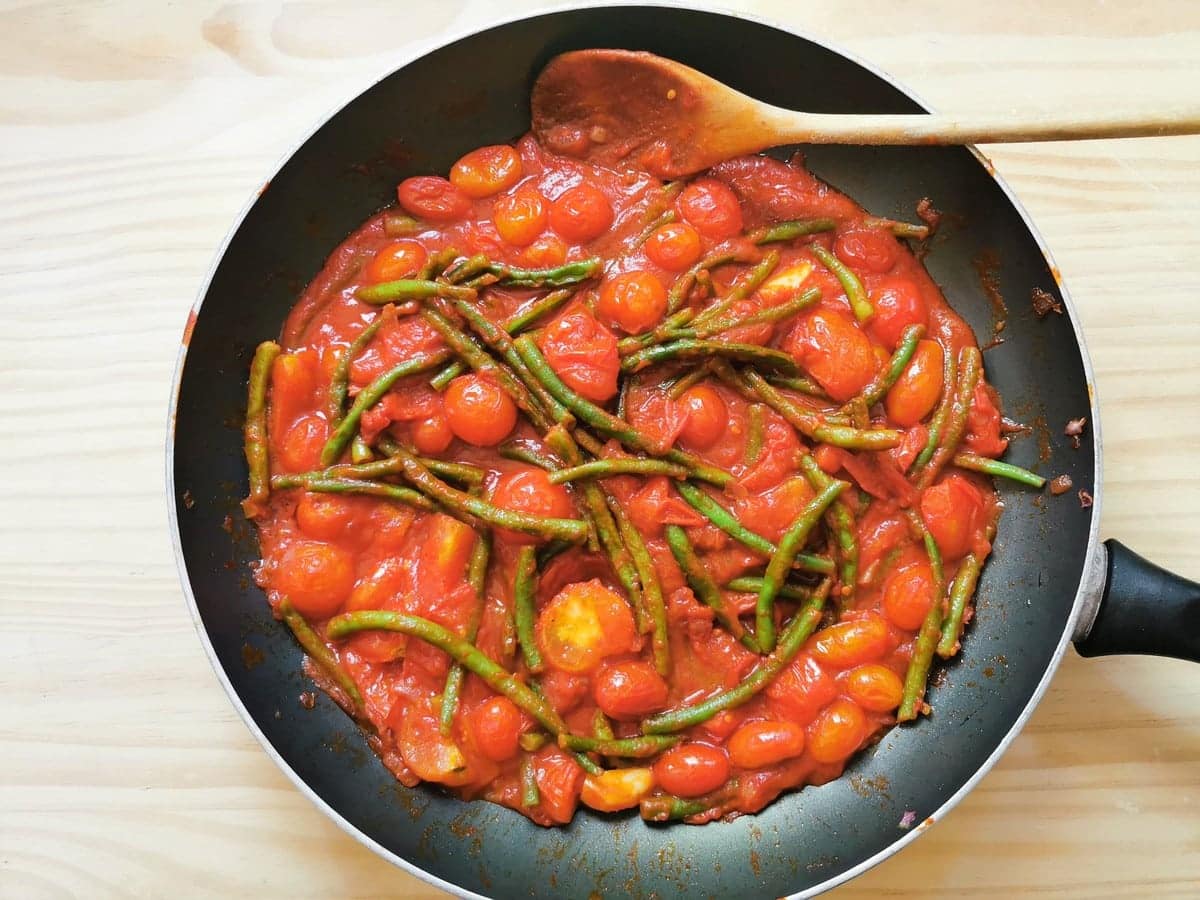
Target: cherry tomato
pixel 520 216
pixel 898 303
pixel 616 789
pixel 952 510
pixel 479 411
pixel 582 624
pixel 712 208
pixel 835 351
pixel 875 687
pixel 919 386
pixel 487 171
pixel 394 261
pixel 564 690
pixel 706 417
pixel 692 769
pixel 497 725
pixel 801 690
pixel 581 213
pixel 317 578
pixel 433 435
pixel 675 247
pixel 434 198
pixel 907 596
pixel 303 443
pixel 839 731
pixel 763 743
pixel 583 353
pixel 546 252
pixel 853 642
pixel 530 491
pixel 325 517
pixel 870 250
pixel 629 690
pixel 635 301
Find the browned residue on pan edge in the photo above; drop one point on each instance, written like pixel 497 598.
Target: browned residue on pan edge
pixel 986 264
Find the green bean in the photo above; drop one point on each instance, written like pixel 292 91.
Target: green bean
pixel 855 292
pixel 781 563
pixel 690 348
pixel 258 460
pixel 560 276
pixel 997 468
pixel 683 284
pixel 522 452
pixel 381 468
pixel 370 395
pixel 633 748
pixel 319 652
pixel 769 315
pixel 970 362
pixel 689 380
pixel 411 289
pixel 666 194
pixel 755 424
pixel 532 741
pixel 360 450
pixel 477 578
pixel 845 533
pixel 399 225
pixel 460 650
pixel 600 726
pixel 339 387
pixel 524 592
pixel 930 633
pixel 319 484
pixel 800 384
pixel 669 808
pixel 899 229
pixel 665 330
pixel 960 595
pixel 666 218
pixel 442 379
pixel 704 587
pixel 436 262
pixel 882 383
pixel 543 307
pixel 743 288
pixel 466 267
pixel 607 468
pixel 652 595
pixel 752 584
pixel 873 574
pixel 455 501
pixel 794 634
pixel 938 422
pixel 530 795
pixel 606 422
pixel 789 231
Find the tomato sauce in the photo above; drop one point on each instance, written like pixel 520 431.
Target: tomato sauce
pixel 333 553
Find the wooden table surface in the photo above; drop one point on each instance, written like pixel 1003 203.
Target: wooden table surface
pixel 130 136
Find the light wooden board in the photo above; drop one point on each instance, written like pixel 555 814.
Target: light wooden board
pixel 131 134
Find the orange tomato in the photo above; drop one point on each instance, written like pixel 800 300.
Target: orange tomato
pixel 838 732
pixel 853 642
pixel 432 435
pixel 916 391
pixel 801 690
pixel 325 517
pixel 487 171
pixel 712 208
pixel 303 443
pixel 520 216
pixel 867 250
pixel 834 351
pixel 394 261
pixel 582 624
pixel 583 353
pixel 530 491
pixel 479 411
pixel 706 416
pixel 875 687
pixel 907 596
pixel 674 247
pixel 434 198
pixel 952 510
pixel 581 213
pixel 317 578
pixel 546 252
pixel 763 743
pixel 692 769
pixel 629 690
pixel 635 301
pixel 898 303
pixel 497 725
pixel 617 789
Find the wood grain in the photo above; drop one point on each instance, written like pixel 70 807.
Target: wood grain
pixel 131 134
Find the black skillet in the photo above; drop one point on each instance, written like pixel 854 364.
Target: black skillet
pixel 1042 588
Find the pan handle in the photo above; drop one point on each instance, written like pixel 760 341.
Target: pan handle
pixel 1143 609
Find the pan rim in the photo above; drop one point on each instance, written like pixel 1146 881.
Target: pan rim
pixel 1091 582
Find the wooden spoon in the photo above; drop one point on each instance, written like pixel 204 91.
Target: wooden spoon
pixel 621 106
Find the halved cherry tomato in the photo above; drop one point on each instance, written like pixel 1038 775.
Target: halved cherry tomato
pixel 616 789
pixel 692 769
pixel 487 171
pixel 706 417
pixel 712 208
pixel 434 198
pixel 629 690
pixel 867 250
pixel 802 690
pixel 674 247
pixel 520 216
pixel 952 510
pixel 763 743
pixel 395 261
pixel 581 213
pixel 583 353
pixel 582 624
pixel 907 596
pixel 835 351
pixel 325 517
pixel 898 303
pixel 432 435
pixel 635 301
pixel 317 578
pixel 853 641
pixel 545 252
pixel 838 732
pixel 497 725
pixel 530 491
pixel 916 391
pixel 479 411
pixel 875 687
pixel 431 755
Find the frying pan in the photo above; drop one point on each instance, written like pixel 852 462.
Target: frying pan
pixel 1049 581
